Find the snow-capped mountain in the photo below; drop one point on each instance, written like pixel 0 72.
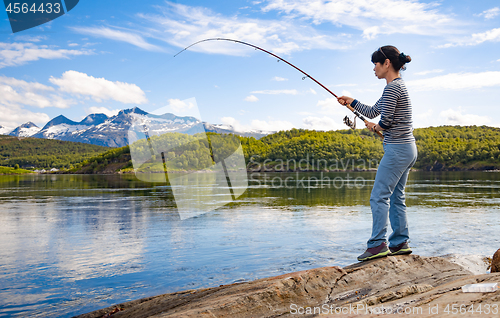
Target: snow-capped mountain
pixel 228 129
pixel 61 127
pixel 113 132
pixel 94 119
pixel 25 130
pixel 4 130
pixel 99 129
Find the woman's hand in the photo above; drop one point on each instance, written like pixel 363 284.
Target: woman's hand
pixel 344 100
pixel 373 127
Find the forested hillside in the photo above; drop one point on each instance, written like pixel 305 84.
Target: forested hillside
pixel 445 147
pixel 457 146
pixel 44 153
pixel 440 148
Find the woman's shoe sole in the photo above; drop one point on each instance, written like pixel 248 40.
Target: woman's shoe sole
pixel 401 252
pixel 379 255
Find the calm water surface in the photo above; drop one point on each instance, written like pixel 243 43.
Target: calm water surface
pixel 70 244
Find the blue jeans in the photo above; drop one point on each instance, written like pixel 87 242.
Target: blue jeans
pixel 387 200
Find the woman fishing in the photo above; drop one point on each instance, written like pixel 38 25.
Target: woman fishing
pixel 387 199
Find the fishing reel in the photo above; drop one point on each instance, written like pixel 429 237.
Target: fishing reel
pixel 349 122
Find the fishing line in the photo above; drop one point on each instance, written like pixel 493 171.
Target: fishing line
pixel 348 121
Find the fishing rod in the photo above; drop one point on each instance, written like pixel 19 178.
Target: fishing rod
pixel 347 121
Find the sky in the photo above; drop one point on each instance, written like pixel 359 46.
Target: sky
pixel 104 56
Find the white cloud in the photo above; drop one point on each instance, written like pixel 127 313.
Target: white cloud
pixel 373 17
pixel 187 107
pixel 456 81
pixel 279 79
pixel 490 13
pixel 180 106
pixel 90 44
pixel 429 72
pixel 102 110
pixel 330 106
pixel 15 93
pixel 423 116
pixel 492 35
pixel 453 117
pixel 59 101
pixel 327 104
pixel 251 98
pixel 13 116
pixel 31 86
pixel 181 25
pixel 345 93
pixel 371 32
pixel 256 124
pixel 30 38
pixel 99 88
pixel 14 54
pixel 345 85
pixel 233 122
pixel 117 35
pixel 305 113
pixel 321 123
pixel 271 125
pixel 277 92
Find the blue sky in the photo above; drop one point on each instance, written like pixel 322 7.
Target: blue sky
pixel 104 56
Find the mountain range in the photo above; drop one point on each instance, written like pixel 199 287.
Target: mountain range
pixel 99 129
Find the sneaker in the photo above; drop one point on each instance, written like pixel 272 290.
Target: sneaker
pixel 374 252
pixel 401 249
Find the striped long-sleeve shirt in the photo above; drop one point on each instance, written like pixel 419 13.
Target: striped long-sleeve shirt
pixel 396 113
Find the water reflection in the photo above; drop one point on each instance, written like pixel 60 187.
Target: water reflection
pixel 75 243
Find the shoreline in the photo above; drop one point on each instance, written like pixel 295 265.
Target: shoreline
pixel 486 169
pixel 424 285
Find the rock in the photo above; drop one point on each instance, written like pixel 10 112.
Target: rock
pixel 495 262
pixel 405 282
pixel 476 264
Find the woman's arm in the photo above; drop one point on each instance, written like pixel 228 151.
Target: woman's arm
pixel 390 97
pixel 368 111
pixel 344 100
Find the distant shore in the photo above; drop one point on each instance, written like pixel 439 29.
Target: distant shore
pixel 116 169
pixel 131 171
pixel 12 171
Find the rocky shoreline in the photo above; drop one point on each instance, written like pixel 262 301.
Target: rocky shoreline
pixel 409 285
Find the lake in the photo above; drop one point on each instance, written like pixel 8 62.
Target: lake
pixel 70 244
